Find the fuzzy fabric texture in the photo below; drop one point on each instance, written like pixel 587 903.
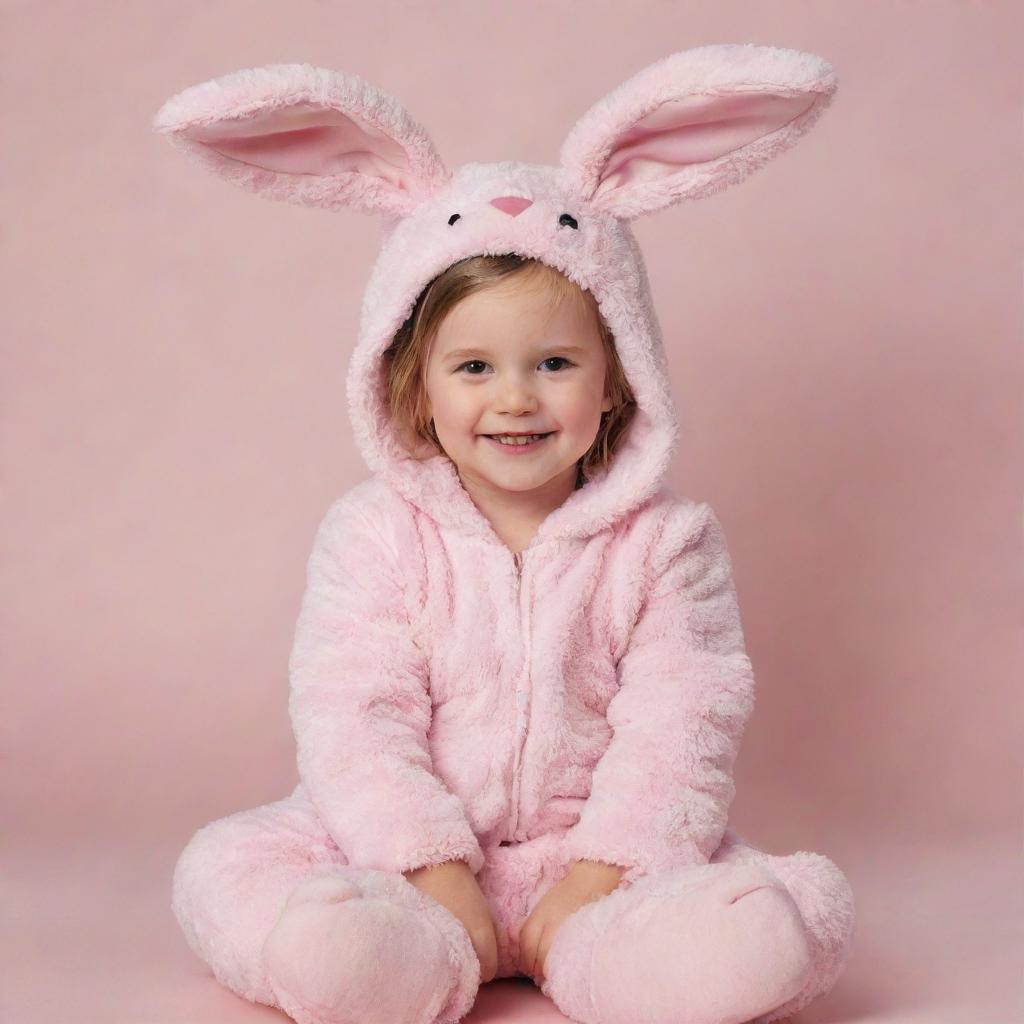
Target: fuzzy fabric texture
pixel 583 700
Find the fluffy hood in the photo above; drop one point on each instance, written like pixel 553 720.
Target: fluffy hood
pixel 685 127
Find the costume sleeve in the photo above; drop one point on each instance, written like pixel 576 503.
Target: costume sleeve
pixel 661 791
pixel 360 708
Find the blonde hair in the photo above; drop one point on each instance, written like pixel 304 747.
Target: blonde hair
pixel 406 355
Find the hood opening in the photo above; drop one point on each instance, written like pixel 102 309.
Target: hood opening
pixel 429 479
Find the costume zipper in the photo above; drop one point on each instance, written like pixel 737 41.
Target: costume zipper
pixel 522 697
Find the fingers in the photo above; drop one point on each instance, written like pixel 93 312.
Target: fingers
pixel 529 952
pixel 490 968
pixel 488 965
pixel 485 943
pixel 525 947
pixel 542 954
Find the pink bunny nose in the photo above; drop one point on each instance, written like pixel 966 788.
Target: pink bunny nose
pixel 513 205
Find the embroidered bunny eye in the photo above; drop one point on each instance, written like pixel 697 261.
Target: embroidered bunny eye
pixel 567 219
pixel 453 218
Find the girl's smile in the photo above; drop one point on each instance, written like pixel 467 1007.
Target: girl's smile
pixel 517 446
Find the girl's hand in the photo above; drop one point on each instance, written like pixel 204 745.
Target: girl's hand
pixel 455 887
pixel 585 882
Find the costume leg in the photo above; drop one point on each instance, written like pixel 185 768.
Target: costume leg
pixel 270 903
pixel 718 943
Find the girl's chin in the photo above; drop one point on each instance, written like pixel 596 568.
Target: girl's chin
pixel 518 475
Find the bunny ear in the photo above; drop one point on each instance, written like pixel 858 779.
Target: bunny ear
pixel 692 124
pixel 306 135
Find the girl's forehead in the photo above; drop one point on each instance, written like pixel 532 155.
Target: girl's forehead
pixel 510 312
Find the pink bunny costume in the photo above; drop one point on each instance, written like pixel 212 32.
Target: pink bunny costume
pixel 584 698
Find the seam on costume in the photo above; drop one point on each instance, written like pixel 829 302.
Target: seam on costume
pixel 403 587
pixel 650 583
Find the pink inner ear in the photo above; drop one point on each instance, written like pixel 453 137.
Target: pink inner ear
pixel 695 130
pixel 307 139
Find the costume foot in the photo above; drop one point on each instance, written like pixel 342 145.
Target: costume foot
pixel 716 944
pixel 376 952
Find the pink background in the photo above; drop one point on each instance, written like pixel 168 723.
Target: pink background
pixel 844 330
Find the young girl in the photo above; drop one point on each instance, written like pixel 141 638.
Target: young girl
pixel 518 683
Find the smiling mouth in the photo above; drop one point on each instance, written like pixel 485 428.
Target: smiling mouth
pixel 518 440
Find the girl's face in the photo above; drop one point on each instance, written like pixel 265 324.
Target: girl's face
pixel 510 358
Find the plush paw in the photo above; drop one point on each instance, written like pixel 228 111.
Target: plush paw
pixel 337 956
pixel 718 945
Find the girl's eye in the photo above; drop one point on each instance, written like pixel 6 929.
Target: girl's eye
pixel 480 362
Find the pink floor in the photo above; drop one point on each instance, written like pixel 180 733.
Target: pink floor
pixel 88 938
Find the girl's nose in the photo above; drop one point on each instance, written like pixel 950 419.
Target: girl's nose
pixel 512 205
